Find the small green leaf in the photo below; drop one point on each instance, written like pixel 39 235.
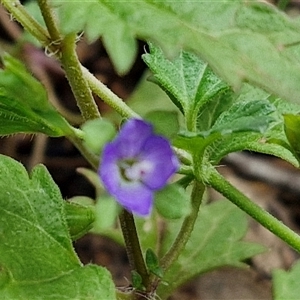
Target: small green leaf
pixel 24 106
pixel 35 245
pixel 188 81
pixel 214 242
pixel 165 122
pixel 117 36
pixel 148 97
pixel 106 210
pixel 148 231
pixel 153 263
pixel 172 202
pixel 286 284
pixel 245 116
pixel 292 131
pixel 121 46
pixel 251 141
pixel 273 141
pixel 97 133
pixel 137 281
pixel 79 219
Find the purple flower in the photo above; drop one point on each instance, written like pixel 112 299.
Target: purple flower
pixel 136 164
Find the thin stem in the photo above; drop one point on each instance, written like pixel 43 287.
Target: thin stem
pixel 101 90
pixel 77 81
pixel 186 228
pixel 133 248
pixel 220 184
pixel 48 17
pixel 87 154
pixel 43 76
pixel 31 25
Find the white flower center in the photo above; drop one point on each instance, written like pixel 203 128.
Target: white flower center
pixel 135 171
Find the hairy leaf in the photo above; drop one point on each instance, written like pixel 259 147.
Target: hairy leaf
pixel 79 219
pixel 286 284
pixel 24 106
pixel 292 130
pixel 246 117
pixel 188 81
pixel 272 141
pixel 36 255
pixel 172 202
pixel 241 40
pixel 215 241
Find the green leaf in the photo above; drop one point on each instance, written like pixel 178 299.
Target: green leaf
pixel 286 284
pixel 106 210
pixel 153 263
pixel 121 46
pixel 165 122
pixel 148 97
pixel 273 141
pixel 242 41
pixel 137 281
pixel 251 141
pixel 188 81
pixel 245 116
pixel 214 242
pixel 292 130
pixel 79 219
pixel 36 255
pixel 149 231
pixel 24 106
pixel 97 133
pixel 172 202
pixel 96 19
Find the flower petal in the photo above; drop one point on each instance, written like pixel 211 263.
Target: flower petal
pixel 135 197
pixel 158 152
pixel 109 170
pixel 132 136
pixel 135 164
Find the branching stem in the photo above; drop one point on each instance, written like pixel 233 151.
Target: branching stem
pixel 31 25
pixel 46 11
pixel 110 98
pixel 77 81
pixel 220 184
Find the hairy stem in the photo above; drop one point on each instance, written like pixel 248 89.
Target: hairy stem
pixel 133 246
pixel 31 25
pixel 220 184
pixel 48 17
pixel 186 228
pixel 77 81
pixel 101 90
pixel 86 153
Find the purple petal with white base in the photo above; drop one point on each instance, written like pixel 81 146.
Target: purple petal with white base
pixel 157 151
pixel 135 165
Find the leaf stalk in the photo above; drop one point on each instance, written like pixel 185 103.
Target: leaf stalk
pixel 186 227
pixel 220 184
